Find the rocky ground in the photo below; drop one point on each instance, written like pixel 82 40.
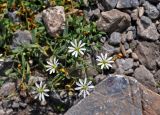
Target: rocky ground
pixel 130 87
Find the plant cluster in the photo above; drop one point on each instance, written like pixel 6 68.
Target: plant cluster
pixel 60 59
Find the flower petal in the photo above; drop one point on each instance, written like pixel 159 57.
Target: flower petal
pixel 85 81
pixel 37 85
pixel 81 92
pixel 81 82
pixel 91 87
pixel 78 88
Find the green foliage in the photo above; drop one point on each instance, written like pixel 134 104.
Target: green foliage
pixel 44 46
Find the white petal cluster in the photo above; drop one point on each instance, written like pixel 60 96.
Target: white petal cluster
pixel 84 87
pixel 52 65
pixel 104 61
pixel 40 91
pixel 77 48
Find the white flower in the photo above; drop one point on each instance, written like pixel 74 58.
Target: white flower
pixel 40 91
pixel 52 65
pixel 104 62
pixel 84 87
pixel 76 48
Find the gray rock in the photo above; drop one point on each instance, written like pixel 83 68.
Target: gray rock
pixel 108 4
pixel 158 28
pixel 92 15
pixel 5 103
pixel 115 38
pixel 134 14
pixel 144 76
pixel 2 112
pixel 91 70
pixel 100 77
pixel 129 72
pixel 146 21
pixel 130 36
pixel 129 51
pixel 140 11
pixel 154 1
pixel 157 76
pixel 147 30
pixel 151 10
pixel 110 50
pixel 54 20
pixel 148 53
pixel 20 38
pixel 5 65
pixel 125 64
pixel 1 105
pixel 15 105
pixel 158 7
pixel 96 12
pixel 126 46
pixel 7 89
pixel 13 16
pixel 127 3
pixel 113 21
pixel 158 63
pixel 136 64
pixel 23 105
pixel 123 38
pixel 118 95
pixel 9 111
pixel 134 56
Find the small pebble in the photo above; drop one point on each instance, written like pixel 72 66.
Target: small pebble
pixel 134 56
pixel 15 105
pixel 9 111
pixel 140 11
pixel 23 105
pixel 129 51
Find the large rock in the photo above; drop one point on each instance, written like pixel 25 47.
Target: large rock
pixel 151 10
pixel 108 4
pixel 21 37
pixel 54 19
pixel 7 89
pixel 127 3
pixel 113 20
pixel 144 76
pixel 147 30
pixel 148 53
pixel 118 95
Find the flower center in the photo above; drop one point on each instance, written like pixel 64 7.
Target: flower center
pixel 54 66
pixel 40 90
pixel 77 49
pixel 104 61
pixel 85 87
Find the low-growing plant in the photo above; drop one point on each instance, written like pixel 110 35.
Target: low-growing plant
pixel 62 58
